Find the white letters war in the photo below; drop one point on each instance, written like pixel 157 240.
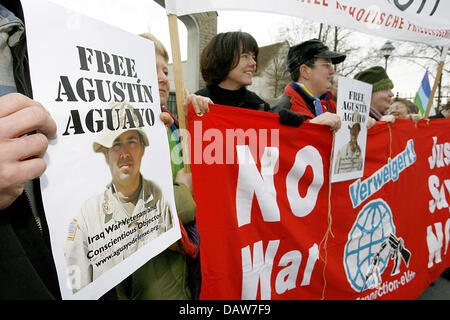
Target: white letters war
pixel 438 233
pixel 258 259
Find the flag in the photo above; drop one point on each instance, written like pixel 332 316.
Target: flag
pixel 423 94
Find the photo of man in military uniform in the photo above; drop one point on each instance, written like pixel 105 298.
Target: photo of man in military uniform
pixel 130 212
pixel 349 157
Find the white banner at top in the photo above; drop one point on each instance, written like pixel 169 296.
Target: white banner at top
pixel 426 21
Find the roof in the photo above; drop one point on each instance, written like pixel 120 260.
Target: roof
pixel 267 53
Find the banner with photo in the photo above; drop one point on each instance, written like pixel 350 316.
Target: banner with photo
pixel 413 20
pixel 107 191
pixel 353 106
pixel 272 225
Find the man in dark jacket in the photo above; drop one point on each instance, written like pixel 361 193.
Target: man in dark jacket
pixel 27 269
pixel 444 113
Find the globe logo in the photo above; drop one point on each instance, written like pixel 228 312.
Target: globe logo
pixel 366 241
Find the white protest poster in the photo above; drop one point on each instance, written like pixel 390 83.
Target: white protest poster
pixel 353 106
pixel 107 190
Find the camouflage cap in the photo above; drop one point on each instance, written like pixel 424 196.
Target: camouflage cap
pixel 124 119
pixel 357 118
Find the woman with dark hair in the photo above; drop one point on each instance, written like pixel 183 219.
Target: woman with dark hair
pixel 228 63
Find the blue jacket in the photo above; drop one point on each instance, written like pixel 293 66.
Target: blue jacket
pixel 27 269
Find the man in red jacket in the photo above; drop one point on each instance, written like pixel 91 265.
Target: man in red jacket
pixel 310 64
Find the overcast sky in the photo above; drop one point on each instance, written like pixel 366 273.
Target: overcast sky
pixel 137 16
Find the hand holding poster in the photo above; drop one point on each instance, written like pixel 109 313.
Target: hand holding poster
pixel 353 105
pixel 107 191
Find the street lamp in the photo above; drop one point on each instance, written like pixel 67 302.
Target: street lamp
pixel 386 51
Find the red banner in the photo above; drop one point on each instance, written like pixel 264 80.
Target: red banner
pixel 273 227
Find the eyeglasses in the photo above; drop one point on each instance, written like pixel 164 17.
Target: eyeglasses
pixel 328 65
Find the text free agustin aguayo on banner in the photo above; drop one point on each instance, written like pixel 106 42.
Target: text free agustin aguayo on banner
pixel 100 85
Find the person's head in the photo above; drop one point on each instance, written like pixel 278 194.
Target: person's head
pixel 162 69
pixel 400 108
pixel 381 87
pixel 229 60
pixel 355 128
pixel 445 109
pixel 311 63
pixel 124 157
pixel 123 148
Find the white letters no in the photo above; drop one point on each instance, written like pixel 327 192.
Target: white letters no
pixel 308 156
pixel 251 182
